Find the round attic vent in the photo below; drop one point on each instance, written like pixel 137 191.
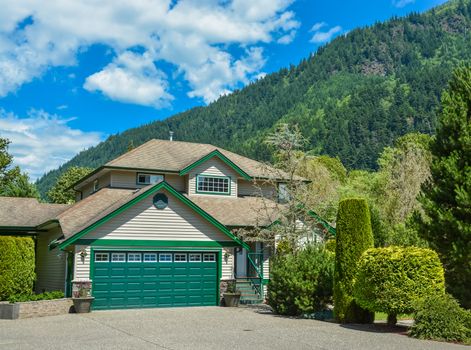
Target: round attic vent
pixel 160 201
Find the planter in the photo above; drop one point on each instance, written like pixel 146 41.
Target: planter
pixel 83 305
pixel 231 299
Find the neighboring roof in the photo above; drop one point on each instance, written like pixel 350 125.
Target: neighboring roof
pixel 27 212
pixel 241 211
pixel 84 217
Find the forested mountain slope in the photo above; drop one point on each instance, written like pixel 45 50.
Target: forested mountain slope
pixel 351 98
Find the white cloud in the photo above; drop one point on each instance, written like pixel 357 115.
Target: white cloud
pixel 131 78
pixel 192 35
pixel 318 26
pixel 41 142
pixel 402 3
pixel 324 36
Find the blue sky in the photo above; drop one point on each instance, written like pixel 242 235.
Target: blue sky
pixel 72 74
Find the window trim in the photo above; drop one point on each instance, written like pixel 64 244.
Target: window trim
pixel 229 187
pixel 166 261
pixel 96 185
pixel 102 261
pixel 180 261
pixel 195 261
pixel 148 173
pixel 212 254
pixel 150 261
pixel 119 260
pixel 136 254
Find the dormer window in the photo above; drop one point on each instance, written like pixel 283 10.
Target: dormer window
pixel 149 179
pixel 213 184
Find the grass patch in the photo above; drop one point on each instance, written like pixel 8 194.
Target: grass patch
pixel 381 316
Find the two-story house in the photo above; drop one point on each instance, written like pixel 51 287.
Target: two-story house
pixel 154 227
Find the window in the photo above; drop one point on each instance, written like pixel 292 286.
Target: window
pixel 149 179
pixel 194 257
pixel 180 257
pixel 165 257
pixel 150 257
pixel 283 193
pixel 213 184
pixel 102 257
pixel 95 185
pixel 134 257
pixel 118 257
pixel 209 257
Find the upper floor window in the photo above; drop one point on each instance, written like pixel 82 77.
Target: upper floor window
pixel 213 184
pixel 283 192
pixel 95 185
pixel 149 179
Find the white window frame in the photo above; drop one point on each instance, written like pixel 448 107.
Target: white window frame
pixel 165 254
pixel 134 256
pixel 193 255
pixel 147 255
pixel 102 255
pixel 118 254
pixel 211 179
pixel 150 175
pixel 208 255
pixel 96 185
pixel 180 255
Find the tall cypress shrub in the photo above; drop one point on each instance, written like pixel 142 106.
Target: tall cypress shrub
pixel 447 198
pixel 17 262
pixel 354 236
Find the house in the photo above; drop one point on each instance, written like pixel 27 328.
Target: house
pixel 154 227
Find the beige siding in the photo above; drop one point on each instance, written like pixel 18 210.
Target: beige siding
pixel 103 181
pixel 81 264
pixel 213 166
pixel 127 179
pixel 87 190
pixel 227 264
pixel 144 222
pixel 248 188
pixel 50 265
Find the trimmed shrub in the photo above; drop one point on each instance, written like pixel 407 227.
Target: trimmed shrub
pixel 301 282
pixel 440 317
pixel 56 294
pixel 394 279
pixel 354 236
pixel 16 266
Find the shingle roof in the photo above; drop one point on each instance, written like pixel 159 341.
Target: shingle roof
pixel 27 212
pixel 176 155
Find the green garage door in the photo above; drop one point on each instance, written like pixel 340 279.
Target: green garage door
pixel 154 279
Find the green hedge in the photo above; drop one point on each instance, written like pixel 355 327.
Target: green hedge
pixel 354 236
pixel 16 266
pixel 301 282
pixel 394 279
pixel 440 317
pixel 56 294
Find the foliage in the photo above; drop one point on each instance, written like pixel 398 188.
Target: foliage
pixel 62 192
pixel 301 282
pixel 354 236
pixel 16 266
pixel 394 279
pixel 232 288
pixel 57 294
pixel 13 183
pixel 351 98
pixel 440 317
pixel 447 197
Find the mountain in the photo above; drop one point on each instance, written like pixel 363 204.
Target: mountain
pixel 351 98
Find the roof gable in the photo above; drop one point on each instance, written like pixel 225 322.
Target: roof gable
pixel 153 189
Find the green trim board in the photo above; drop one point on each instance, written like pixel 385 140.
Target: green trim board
pixel 154 243
pixel 223 158
pixel 157 187
pixel 214 193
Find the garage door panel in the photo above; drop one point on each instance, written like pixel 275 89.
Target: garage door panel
pixel 118 285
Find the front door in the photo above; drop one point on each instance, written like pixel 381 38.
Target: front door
pixel 241 263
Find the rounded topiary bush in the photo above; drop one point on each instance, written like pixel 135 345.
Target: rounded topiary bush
pixel 394 279
pixel 16 266
pixel 354 236
pixel 440 317
pixel 301 282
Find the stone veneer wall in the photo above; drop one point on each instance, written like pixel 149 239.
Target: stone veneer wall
pixel 38 308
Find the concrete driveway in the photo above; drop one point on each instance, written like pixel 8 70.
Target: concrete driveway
pixel 197 328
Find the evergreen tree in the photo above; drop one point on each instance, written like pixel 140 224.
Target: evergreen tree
pixel 62 192
pixel 447 198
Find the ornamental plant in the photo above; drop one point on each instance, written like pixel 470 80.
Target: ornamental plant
pixel 354 236
pixel 16 266
pixel 395 279
pixel 301 282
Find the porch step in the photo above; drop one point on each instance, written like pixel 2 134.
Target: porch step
pixel 249 294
